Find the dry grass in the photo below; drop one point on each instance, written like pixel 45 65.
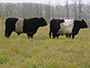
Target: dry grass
pixel 42 52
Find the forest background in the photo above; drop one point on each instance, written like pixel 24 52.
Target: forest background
pixel 76 10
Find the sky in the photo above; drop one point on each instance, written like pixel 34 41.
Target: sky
pixel 52 2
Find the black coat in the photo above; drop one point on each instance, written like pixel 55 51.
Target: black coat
pixel 55 27
pixel 30 26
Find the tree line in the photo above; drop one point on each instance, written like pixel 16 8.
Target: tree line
pixel 75 10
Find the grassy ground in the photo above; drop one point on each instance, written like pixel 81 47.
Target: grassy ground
pixel 42 52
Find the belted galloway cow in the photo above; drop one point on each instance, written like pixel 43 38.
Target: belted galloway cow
pixel 66 27
pixel 20 25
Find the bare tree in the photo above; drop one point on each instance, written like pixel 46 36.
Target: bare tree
pixel 40 10
pixel 52 12
pixel 80 8
pixel 75 8
pixel 67 9
pixel 47 11
pixel 88 11
pixel 30 10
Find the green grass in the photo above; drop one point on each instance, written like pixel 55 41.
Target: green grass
pixel 43 52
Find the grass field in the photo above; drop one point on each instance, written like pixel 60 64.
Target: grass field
pixel 42 52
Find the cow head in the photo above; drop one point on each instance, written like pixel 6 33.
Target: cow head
pixel 84 24
pixel 43 22
pixel 7 32
pixel 8 29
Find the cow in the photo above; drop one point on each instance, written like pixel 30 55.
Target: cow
pixel 66 27
pixel 20 25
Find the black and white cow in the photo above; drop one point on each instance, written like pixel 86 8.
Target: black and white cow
pixel 20 25
pixel 66 27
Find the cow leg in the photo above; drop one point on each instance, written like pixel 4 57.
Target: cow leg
pixel 50 34
pixel 54 35
pixel 28 35
pixel 57 36
pixel 18 33
pixel 73 36
pixel 67 35
pixel 32 36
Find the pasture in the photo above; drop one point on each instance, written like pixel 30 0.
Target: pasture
pixel 43 52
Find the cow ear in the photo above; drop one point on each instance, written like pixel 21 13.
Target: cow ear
pixel 42 18
pixel 82 19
